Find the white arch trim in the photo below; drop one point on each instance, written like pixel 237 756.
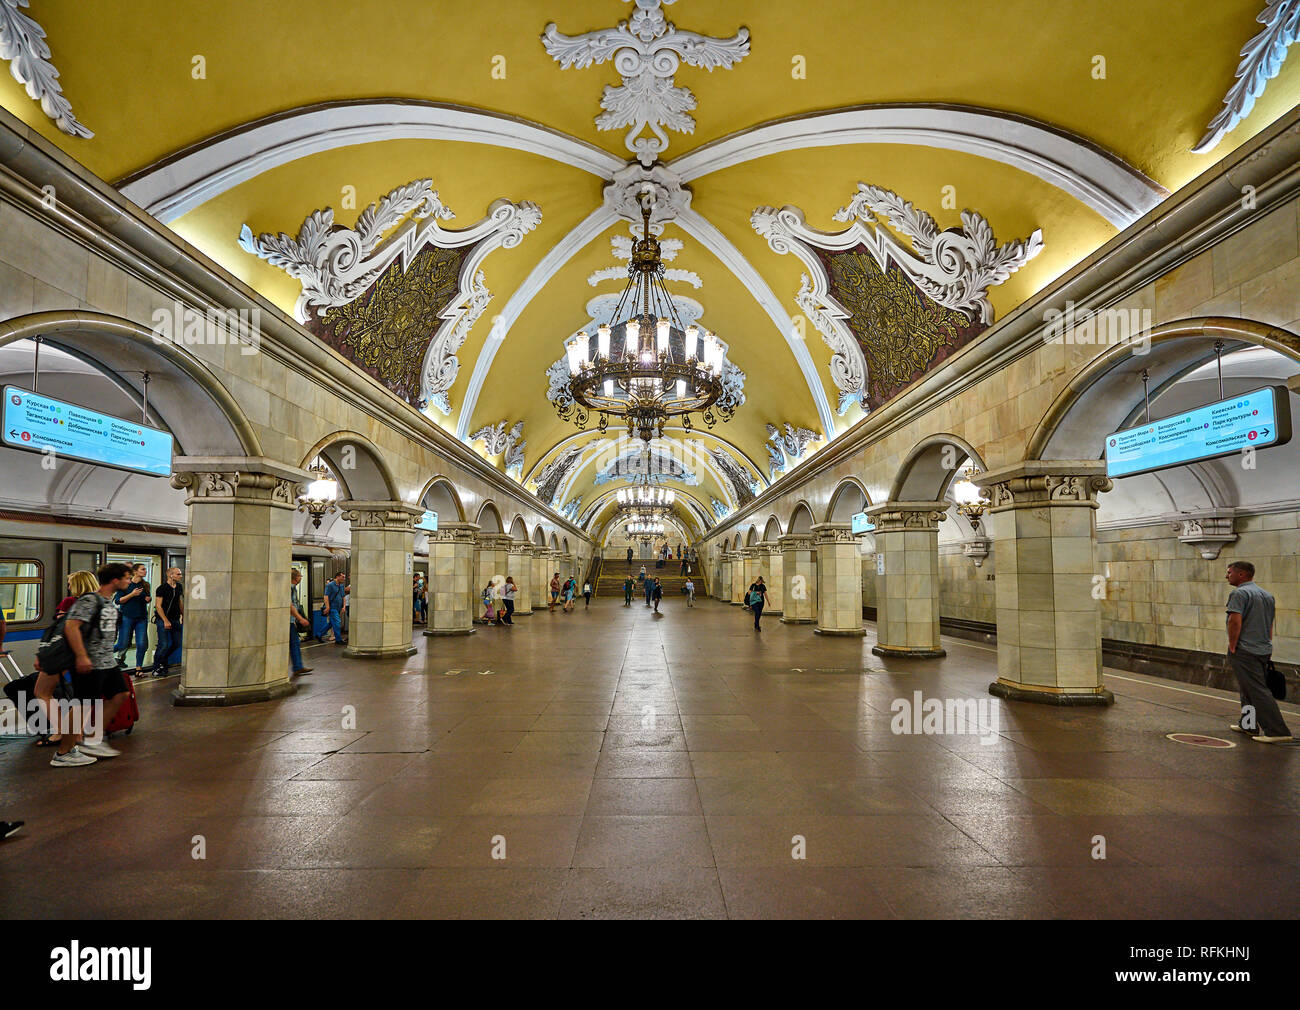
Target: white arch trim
pixel 200 173
pixel 1117 191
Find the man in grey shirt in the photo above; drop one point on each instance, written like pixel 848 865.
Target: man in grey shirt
pixel 1250 644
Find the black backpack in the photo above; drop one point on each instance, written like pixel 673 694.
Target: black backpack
pixel 54 653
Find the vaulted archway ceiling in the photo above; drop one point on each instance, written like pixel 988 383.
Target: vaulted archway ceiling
pixel 1052 132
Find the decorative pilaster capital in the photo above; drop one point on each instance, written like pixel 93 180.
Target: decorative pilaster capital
pixel 833 533
pixel 454 533
pixel 244 480
pixel 494 541
pixel 797 542
pixel 521 547
pixel 1042 483
pixel 388 516
pixel 1208 530
pixel 910 516
pixel 976 549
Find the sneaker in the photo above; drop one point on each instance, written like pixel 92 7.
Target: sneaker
pixel 305 669
pixel 73 759
pixel 99 750
pixel 8 828
pixel 1261 738
pixel 1237 727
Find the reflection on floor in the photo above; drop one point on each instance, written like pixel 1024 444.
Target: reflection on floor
pixel 625 764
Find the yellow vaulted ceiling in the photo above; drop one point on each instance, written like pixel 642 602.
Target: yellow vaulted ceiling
pixel 128 71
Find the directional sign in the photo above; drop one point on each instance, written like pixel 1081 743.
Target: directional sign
pixel 40 423
pixel 1253 420
pixel 428 521
pixel 861 524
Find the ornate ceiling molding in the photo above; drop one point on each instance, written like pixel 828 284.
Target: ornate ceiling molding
pixel 1261 61
pixel 497 442
pixel 647 50
pixel 193 176
pixel 787 449
pixel 742 484
pixel 637 466
pixel 336 264
pixel 1115 190
pixel 953 268
pixel 621 247
pixel 22 43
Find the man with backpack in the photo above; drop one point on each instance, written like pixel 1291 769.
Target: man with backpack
pixel 90 632
pixel 756 599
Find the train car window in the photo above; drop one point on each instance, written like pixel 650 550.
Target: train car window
pixel 21 582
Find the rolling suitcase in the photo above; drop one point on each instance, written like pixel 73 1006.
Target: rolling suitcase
pixel 128 715
pixel 11 668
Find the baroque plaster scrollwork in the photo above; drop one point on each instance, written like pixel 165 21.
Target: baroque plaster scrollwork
pixel 22 43
pixel 646 50
pixel 1261 61
pixel 954 268
pixel 336 264
pixel 497 441
pixel 786 449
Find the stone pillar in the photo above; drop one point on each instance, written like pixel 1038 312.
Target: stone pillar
pixel 451 579
pixel 520 568
pixel 754 558
pixel 1043 518
pixel 738 583
pixel 722 590
pixel 839 580
pixel 379 608
pixel 541 558
pixel 775 578
pixel 907 578
pixel 492 564
pixel 798 578
pixel 237 603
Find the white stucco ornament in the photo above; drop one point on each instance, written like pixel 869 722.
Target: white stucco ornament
pixel 646 50
pixel 22 43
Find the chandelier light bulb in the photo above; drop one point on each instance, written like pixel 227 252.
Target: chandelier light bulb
pixel 670 497
pixel 662 328
pixel 609 387
pixel 622 496
pixel 574 349
pixel 602 340
pixel 692 338
pixel 681 389
pixel 633 334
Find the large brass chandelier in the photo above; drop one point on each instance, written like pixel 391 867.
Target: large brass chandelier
pixel 645 366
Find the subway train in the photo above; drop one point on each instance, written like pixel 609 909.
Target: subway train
pixel 38 553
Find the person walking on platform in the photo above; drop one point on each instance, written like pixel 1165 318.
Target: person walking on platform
pixel 297 619
pixel 555 591
pixel 570 590
pixel 690 593
pixel 628 587
pixel 586 595
pixel 508 593
pixel 333 606
pixel 133 605
pixel 649 587
pixel 658 594
pixel 90 630
pixel 169 616
pixel 756 598
pixel 1251 611
pixel 629 558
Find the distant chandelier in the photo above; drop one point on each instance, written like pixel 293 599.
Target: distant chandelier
pixel 645 367
pixel 646 496
pixel 322 492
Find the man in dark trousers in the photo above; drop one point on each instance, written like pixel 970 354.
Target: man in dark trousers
pixel 1250 646
pixel 169 617
pixel 756 597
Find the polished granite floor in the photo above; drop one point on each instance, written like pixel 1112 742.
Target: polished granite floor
pixel 627 764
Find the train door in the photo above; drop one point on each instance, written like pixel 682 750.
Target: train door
pixel 155 572
pixel 79 557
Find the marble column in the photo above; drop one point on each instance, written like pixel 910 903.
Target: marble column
pixel 798 578
pixel 237 578
pixel 451 579
pixel 907 578
pixel 775 578
pixel 738 583
pixel 754 558
pixel 379 608
pixel 540 577
pixel 1043 519
pixel 520 568
pixel 839 580
pixel 492 566
pixel 722 590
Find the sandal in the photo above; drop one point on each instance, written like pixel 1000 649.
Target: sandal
pixel 45 741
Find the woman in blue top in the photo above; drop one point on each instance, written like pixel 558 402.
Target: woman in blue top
pixel 568 596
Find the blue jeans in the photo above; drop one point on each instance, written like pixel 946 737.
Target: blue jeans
pixel 295 650
pixel 139 627
pixel 168 648
pixel 335 619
